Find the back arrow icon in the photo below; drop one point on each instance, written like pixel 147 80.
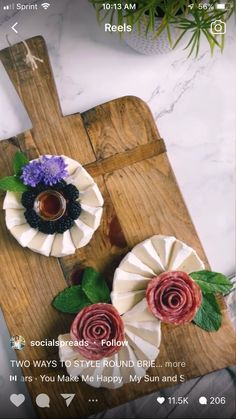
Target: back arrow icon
pixel 13 27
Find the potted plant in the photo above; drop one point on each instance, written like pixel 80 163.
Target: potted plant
pixel 160 25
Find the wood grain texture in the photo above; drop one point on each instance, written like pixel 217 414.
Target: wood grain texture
pixel 129 132
pixel 120 146
pixel 121 160
pixel 149 203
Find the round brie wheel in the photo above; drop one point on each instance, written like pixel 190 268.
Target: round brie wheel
pixel 147 260
pixel 77 236
pixel 141 344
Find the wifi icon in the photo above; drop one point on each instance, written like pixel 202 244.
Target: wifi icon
pixel 45 5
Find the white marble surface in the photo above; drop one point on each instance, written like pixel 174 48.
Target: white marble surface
pixel 193 103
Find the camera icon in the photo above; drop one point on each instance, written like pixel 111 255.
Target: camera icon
pixel 218 27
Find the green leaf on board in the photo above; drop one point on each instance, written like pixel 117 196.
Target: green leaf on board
pixel 212 282
pixel 19 161
pixel 208 316
pixel 92 290
pixel 95 287
pixel 13 184
pixel 71 300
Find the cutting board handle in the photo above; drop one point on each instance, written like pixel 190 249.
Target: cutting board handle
pixel 35 87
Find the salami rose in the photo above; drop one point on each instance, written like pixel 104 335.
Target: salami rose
pixel 94 326
pixel 173 297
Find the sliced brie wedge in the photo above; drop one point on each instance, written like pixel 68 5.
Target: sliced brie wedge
pixel 12 200
pixel 148 255
pixel 184 258
pixel 91 215
pixel 14 217
pixel 81 179
pixel 126 300
pixel 23 234
pixel 128 281
pixel 91 196
pixel 62 245
pixel 42 243
pixel 81 233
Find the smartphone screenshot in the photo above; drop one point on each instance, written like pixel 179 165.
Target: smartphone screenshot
pixel 117 173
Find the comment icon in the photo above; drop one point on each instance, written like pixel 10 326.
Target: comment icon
pixel 43 400
pixel 202 400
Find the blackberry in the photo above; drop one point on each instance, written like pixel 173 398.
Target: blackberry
pixel 47 227
pixel 64 224
pixel 32 218
pixel 71 192
pixel 41 188
pixel 28 198
pixel 60 185
pixel 74 210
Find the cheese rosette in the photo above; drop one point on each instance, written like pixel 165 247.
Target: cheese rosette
pixel 139 344
pixel 77 236
pixel 146 260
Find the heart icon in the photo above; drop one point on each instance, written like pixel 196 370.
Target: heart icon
pixel 160 400
pixel 17 399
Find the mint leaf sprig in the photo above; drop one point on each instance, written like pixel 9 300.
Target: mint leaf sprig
pixel 212 282
pixel 93 289
pixel 14 183
pixel 19 161
pixel 209 316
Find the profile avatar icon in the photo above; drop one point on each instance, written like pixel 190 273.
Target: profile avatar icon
pixel 17 342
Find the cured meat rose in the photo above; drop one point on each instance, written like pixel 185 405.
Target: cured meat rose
pixel 94 326
pixel 173 297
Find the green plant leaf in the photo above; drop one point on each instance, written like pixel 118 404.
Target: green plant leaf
pixel 179 39
pixel 95 287
pixel 71 300
pixel 19 161
pixel 212 282
pixel 208 316
pixel 13 184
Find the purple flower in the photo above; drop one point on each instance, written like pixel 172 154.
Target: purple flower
pixel 53 169
pixel 32 174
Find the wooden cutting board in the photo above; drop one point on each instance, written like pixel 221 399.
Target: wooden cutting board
pixel 118 143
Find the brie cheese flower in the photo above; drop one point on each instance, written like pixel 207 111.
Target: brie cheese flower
pixel 146 260
pixel 79 235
